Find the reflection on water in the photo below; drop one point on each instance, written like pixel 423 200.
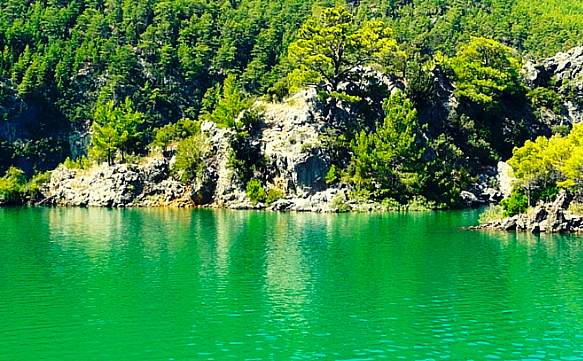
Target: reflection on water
pixel 181 284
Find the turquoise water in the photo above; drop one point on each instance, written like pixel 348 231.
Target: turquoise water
pixel 96 284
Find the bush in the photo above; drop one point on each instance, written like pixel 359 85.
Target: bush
pixel 190 155
pixel 12 186
pixel 255 191
pixel 333 176
pixel 546 98
pixel 420 203
pixel 274 194
pixel 391 204
pixel 517 203
pixel 180 130
pixel 492 214
pixel 36 184
pixel 79 163
pixel 576 209
pixel 339 204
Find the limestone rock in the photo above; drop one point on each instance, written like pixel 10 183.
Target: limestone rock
pixel 551 217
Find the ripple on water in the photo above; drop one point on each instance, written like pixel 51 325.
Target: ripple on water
pixel 145 284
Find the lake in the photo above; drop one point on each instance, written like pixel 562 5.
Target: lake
pixel 160 284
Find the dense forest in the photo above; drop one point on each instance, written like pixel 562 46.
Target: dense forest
pixel 137 74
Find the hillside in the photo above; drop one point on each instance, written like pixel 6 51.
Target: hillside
pixel 425 95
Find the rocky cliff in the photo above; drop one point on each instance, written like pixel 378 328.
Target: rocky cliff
pixel 296 163
pixel 294 156
pixel 564 72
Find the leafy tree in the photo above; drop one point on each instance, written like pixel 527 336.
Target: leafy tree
pixel 12 186
pixel 517 203
pixel 231 104
pixel 180 130
pixel 255 191
pixel 485 70
pixel 190 154
pixel 115 129
pixel 384 161
pixel 331 48
pixel 548 163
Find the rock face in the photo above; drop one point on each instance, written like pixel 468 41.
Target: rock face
pixel 486 190
pixel 566 70
pixel 550 218
pixel 292 146
pixel 121 185
pixel 296 163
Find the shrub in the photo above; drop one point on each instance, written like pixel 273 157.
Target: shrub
pixel 190 155
pixel 36 184
pixel 517 203
pixel 180 130
pixel 391 204
pixel 12 186
pixel 491 214
pixel 420 203
pixel 79 163
pixel 274 194
pixel 255 191
pixel 339 204
pixel 576 209
pixel 547 98
pixel 333 176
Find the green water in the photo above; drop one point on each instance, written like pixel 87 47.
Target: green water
pixel 78 284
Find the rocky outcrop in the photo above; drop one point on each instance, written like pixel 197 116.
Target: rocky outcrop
pixel 487 189
pixel 296 162
pixel 291 144
pixel 551 218
pixel 121 185
pixel 564 72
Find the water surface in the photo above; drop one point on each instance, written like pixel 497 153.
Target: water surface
pixel 96 284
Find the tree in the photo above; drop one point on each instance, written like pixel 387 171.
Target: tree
pixel 231 104
pixel 485 70
pixel 547 163
pixel 384 161
pixel 12 186
pixel 190 154
pixel 331 48
pixel 115 129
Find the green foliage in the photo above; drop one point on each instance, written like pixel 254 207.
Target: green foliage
pixel 384 161
pixel 115 129
pixel 190 155
pixel 546 98
pixel 576 208
pixel 339 204
pixel 333 175
pixel 274 194
pixel 60 61
pixel 169 133
pixel 36 184
pixel 517 203
pixel 485 70
pixel 492 214
pixel 230 105
pixel 12 186
pixel 79 163
pixel 331 47
pixel 542 165
pixel 255 191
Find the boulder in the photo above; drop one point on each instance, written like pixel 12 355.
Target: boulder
pixel 539 214
pixel 509 224
pixel 203 188
pixel 469 198
pixel 562 201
